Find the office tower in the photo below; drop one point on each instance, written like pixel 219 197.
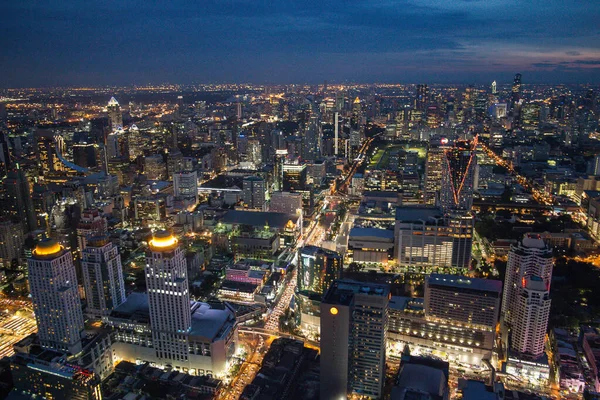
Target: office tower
pixel 53 285
pixel 336 130
pixel 433 174
pixel 596 165
pixel 494 88
pixel 85 154
pixel 312 139
pixel 422 97
pixel 516 89
pixel 102 276
pixel 238 110
pixel 462 300
pixel 48 375
pixel 168 297
pixel 318 268
pixel 254 152
pixel 185 185
pixel 280 157
pixel 458 177
pixel 115 117
pixel 354 319
pixel 11 242
pixel 427 240
pixel 48 148
pixel 530 318
pixel 90 224
pixel 253 192
pixel 421 378
pixel 19 205
pixel 5 159
pixel 294 177
pixel 154 167
pixel 530 257
pixel 286 202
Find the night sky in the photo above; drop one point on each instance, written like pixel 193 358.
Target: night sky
pixel 88 42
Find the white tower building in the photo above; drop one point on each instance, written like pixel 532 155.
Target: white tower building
pixel 531 257
pixel 55 298
pixel 102 276
pixel 530 319
pixel 168 298
pixel 115 116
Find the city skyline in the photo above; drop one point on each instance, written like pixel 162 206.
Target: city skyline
pixel 64 43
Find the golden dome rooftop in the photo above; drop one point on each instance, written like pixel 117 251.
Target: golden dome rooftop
pixel 47 248
pixel 163 241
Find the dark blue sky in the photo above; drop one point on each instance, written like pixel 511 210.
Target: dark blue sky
pixel 89 42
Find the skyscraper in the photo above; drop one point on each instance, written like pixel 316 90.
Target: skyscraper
pixel 433 174
pixel 494 88
pixel 254 192
pixel 185 185
pixel 530 319
pixel 168 298
pixel 354 319
pixel 422 97
pixel 102 276
pixel 458 177
pixel 19 205
pixel 461 300
pixel 90 224
pixel 48 147
pixel 55 299
pixel 318 268
pixel 516 90
pixel 530 257
pixel 115 117
pixel 11 241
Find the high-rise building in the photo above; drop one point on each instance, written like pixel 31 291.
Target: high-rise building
pixel 102 276
pixel 458 177
pixel 5 158
pixel 318 268
pixel 286 202
pixel 49 146
pixel 19 205
pixel 530 257
pixel 85 154
pixel 168 298
pixel 185 185
pixel 115 117
pixel 55 298
pixel 596 165
pixel 11 242
pixel 354 319
pixel 433 174
pixel 422 97
pixel 90 224
pixel 494 88
pixel 154 167
pixel 312 139
pixel 462 300
pixel 294 177
pixel 253 192
pixel 530 319
pixel 516 90
pixel 427 240
pixel 280 157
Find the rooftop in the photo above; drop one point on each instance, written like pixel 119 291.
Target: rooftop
pixel 343 291
pixel 372 232
pixel 458 281
pixel 418 213
pixel 257 218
